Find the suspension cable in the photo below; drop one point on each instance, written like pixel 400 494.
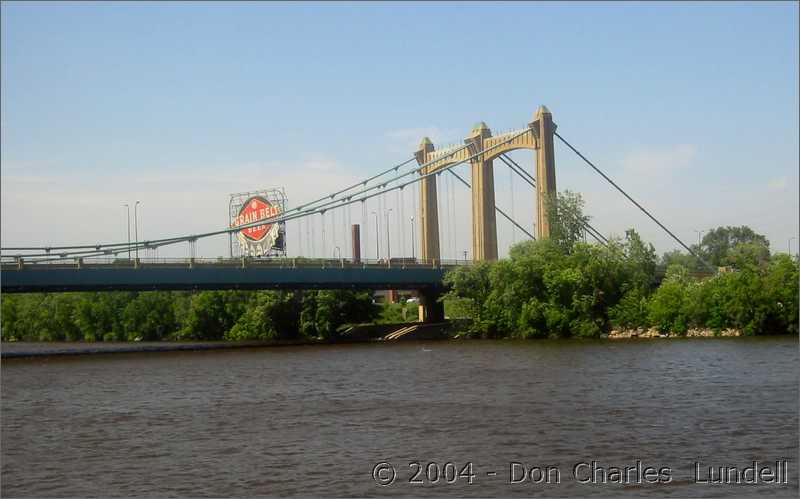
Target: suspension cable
pixel 311 211
pixel 596 235
pixel 362 183
pixel 496 207
pixel 595 168
pixel 511 191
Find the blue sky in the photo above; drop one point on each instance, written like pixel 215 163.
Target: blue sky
pixel 692 106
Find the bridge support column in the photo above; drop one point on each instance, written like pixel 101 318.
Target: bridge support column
pixel 543 128
pixel 429 214
pixel 484 222
pixel 430 308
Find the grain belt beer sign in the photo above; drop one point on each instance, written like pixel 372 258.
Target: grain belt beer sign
pixel 259 239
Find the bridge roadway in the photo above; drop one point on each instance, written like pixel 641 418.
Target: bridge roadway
pixel 191 274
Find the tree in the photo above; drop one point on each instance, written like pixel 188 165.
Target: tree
pixel 567 220
pixel 149 316
pixel 213 313
pixel 677 257
pixel 270 315
pixel 640 263
pixel 718 243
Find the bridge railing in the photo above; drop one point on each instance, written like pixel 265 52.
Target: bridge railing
pixel 11 264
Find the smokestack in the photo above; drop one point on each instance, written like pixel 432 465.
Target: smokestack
pixel 356 243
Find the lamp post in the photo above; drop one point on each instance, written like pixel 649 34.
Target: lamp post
pixel 128 208
pixel 377 238
pixel 388 241
pixel 413 242
pixel 699 233
pixel 136 226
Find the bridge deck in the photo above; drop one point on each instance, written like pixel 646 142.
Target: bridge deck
pixel 229 274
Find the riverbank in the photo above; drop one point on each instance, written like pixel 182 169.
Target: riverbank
pixel 11 350
pixel 357 334
pixel 620 334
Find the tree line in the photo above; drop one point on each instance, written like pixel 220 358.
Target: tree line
pixel 180 315
pixel 565 287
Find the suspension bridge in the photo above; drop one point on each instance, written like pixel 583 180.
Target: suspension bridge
pixel 117 266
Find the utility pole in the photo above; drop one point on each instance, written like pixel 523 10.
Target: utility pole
pixel 136 226
pixel 128 207
pixel 377 238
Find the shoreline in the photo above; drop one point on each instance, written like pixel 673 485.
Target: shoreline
pixel 77 348
pixel 73 349
pixel 650 333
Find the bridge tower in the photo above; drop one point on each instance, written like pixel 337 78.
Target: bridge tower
pixel 428 212
pixel 543 128
pixel 484 222
pixel 538 137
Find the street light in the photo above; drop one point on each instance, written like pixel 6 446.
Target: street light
pixel 699 233
pixel 388 241
pixel 136 226
pixel 128 207
pixel 377 238
pixel 790 245
pixel 413 243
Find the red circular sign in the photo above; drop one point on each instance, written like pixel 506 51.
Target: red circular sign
pixel 254 209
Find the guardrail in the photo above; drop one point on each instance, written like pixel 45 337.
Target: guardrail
pixel 9 264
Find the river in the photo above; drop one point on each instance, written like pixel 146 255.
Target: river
pixel 351 420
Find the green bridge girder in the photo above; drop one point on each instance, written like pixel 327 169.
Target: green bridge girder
pixel 60 278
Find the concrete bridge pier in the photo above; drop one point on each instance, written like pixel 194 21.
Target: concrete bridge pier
pixel 430 308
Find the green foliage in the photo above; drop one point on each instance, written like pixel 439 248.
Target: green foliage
pixel 544 290
pixel 270 315
pixel 207 315
pixel 631 311
pixel 677 257
pixel 761 298
pixel 566 218
pixel 149 316
pixel 394 313
pixel 666 311
pixel 212 313
pixel 719 244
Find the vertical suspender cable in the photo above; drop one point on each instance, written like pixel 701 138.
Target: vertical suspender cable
pixel 451 216
pixel 453 219
pixel 364 228
pixel 403 221
pixel 511 190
